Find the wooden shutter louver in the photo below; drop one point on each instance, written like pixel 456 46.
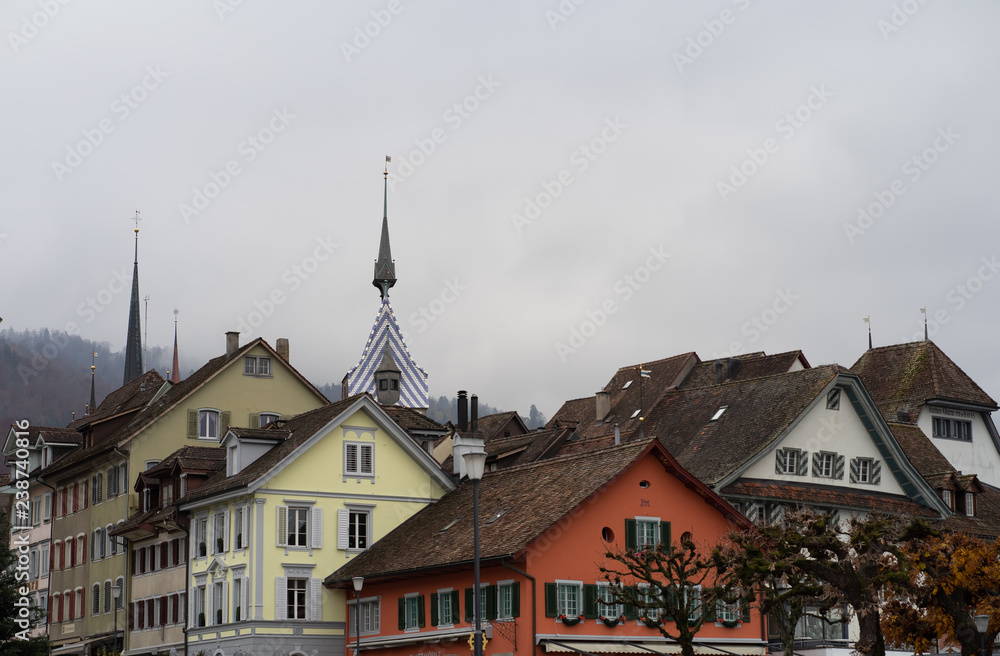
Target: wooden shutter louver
pixel 192 428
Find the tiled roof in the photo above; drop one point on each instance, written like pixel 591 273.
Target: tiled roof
pixel 296 430
pixel 130 396
pixel 412 420
pixel 491 425
pixel 828 496
pixel 54 435
pixel 150 413
pixel 902 377
pixel 752 365
pixel 758 411
pixel 986 523
pixel 920 450
pixel 190 458
pixel 525 501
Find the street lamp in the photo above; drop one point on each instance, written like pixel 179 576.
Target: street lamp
pixel 475 463
pixel 358 582
pixel 116 594
pixel 982 625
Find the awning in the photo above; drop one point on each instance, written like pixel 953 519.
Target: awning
pixel 648 649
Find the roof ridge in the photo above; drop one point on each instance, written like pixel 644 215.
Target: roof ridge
pixel 633 444
pixel 833 367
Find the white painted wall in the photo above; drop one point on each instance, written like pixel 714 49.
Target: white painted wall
pixel 978 457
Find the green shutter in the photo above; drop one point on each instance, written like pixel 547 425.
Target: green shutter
pixel 455 614
pixel 709 611
pixel 515 602
pixel 224 421
pixel 630 534
pixel 590 601
pixel 193 424
pixel 631 612
pixel 402 614
pixel 550 600
pixel 665 534
pixel 434 609
pixel 491 602
pixel 668 615
pixel 420 611
pixel 745 610
pixel 469 615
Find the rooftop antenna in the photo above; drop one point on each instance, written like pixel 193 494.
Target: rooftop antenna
pixel 868 320
pixel 923 311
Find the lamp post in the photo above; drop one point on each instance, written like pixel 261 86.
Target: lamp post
pixel 116 594
pixel 475 463
pixel 982 625
pixel 358 582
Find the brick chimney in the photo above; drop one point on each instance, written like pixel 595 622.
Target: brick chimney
pixel 603 404
pixel 281 346
pixel 232 343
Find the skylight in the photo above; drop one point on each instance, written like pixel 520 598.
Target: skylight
pixel 495 516
pixel 634 415
pixel 627 383
pixel 451 523
pixel 718 413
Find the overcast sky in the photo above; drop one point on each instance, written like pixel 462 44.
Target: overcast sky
pixel 574 188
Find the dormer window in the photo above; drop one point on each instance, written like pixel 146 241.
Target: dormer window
pixel 232 460
pixel 946 497
pixel 970 504
pixel 956 429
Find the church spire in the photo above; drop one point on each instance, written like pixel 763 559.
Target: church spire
pixel 175 375
pixel 385 268
pixel 93 391
pixel 133 342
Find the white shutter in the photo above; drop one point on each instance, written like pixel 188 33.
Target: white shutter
pixel 315 600
pixel 317 528
pixel 192 616
pixel 282 537
pixel 343 518
pixel 209 607
pixel 225 602
pixel 194 542
pixel 280 598
pixel 225 538
pixel 244 611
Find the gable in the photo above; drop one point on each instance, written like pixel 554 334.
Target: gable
pixel 975 454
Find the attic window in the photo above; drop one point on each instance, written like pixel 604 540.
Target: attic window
pixel 718 413
pixel 451 523
pixel 833 400
pixel 634 415
pixel 627 383
pixel 609 419
pixel 497 515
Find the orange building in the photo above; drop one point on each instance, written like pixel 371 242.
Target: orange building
pixel 544 530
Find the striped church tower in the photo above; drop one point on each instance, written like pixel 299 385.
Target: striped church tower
pixel 386 339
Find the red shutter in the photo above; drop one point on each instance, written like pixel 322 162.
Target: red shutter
pixel 76 497
pixel 163 611
pixel 164 555
pixel 62 555
pixel 49 609
pixel 72 605
pixel 70 543
pixel 131 616
pixel 133 563
pixel 142 560
pixel 177 551
pixel 59 615
pixel 86 497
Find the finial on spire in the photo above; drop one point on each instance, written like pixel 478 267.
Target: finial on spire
pixel 133 339
pixel 93 391
pixel 923 311
pixel 868 320
pixel 174 376
pixel 137 218
pixel 385 267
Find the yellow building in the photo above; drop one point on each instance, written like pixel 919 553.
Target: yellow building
pixel 253 383
pixel 295 500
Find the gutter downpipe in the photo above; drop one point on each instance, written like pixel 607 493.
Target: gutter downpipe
pixel 534 604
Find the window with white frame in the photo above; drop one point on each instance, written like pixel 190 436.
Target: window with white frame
pixel 36 511
pixel 647 532
pixel 354 528
pixel 823 464
pixel 569 598
pixel 359 458
pixel 33 564
pixel 652 597
pixel 112 541
pixel 413 607
pixel 256 366
pixel 506 600
pixel 792 462
pixel 446 607
pixel 300 526
pixel 237 596
pixel 120 603
pixel 266 418
pixel 220 532
pixel 296 599
pixel 606 606
pixel 970 504
pixel 47 508
pixel 240 519
pixel 81 547
pixel 369 609
pixel 866 470
pixel 199 606
pixel 727 612
pixel 200 537
pixel 43 560
pixel 692 596
pixel 956 429
pixel 208 424
pixel 218 603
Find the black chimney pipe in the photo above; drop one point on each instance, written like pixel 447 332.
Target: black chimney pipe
pixel 475 414
pixel 463 411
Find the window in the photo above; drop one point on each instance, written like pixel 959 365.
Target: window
pixel 970 504
pixel 208 424
pixel 33 564
pixel 240 528
pixel 232 460
pixel 692 596
pixel 199 606
pixel 220 531
pixel 96 490
pixel 791 462
pixel 727 613
pixel 369 616
pixel 47 512
pixel 646 532
pixel 956 429
pixel 256 366
pixel 507 601
pixel 36 511
pixel 201 537
pixel 120 603
pixel 832 401
pixel 113 481
pixel 43 560
pixel 412 612
pixel 266 418
pixel 568 598
pixel 358 529
pixel 866 471
pixel 81 548
pixel 358 459
pixel 80 610
pixel 298 523
pixel 444 608
pixel 826 464
pixel 718 413
pixel 650 597
pixel 237 590
pixel 606 606
pixel 112 540
pixel 296 592
pixel 217 603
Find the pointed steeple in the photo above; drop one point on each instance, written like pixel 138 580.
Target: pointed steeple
pixel 93 391
pixel 385 268
pixel 175 376
pixel 133 342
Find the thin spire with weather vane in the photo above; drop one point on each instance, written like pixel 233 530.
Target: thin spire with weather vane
pixel 923 311
pixel 385 267
pixel 868 320
pixel 133 342
pixel 175 375
pixel 93 391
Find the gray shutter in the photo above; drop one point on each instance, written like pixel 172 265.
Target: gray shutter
pixel 282 537
pixel 802 465
pixel 225 602
pixel 280 598
pixel 254 420
pixel 244 612
pixel 779 461
pixel 343 519
pixel 192 617
pixel 193 429
pixel 838 467
pixel 209 606
pixel 776 514
pixel 317 528
pixel 817 464
pixel 315 600
pixel 224 421
pixel 854 470
pixel 876 472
